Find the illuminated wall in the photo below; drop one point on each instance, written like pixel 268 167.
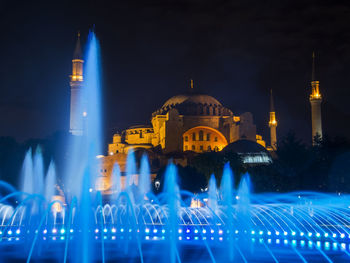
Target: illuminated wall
pixel 203 139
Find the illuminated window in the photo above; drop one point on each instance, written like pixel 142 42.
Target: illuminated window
pixel 193 147
pixel 186 138
pixel 216 149
pixel 201 147
pixel 201 135
pixel 193 136
pixel 215 139
pixel 208 137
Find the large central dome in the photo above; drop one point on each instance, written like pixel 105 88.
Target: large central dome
pixel 194 104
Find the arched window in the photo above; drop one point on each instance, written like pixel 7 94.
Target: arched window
pixel 193 136
pixel 186 138
pixel 201 135
pixel 208 137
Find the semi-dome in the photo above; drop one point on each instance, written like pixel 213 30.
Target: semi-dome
pixel 194 104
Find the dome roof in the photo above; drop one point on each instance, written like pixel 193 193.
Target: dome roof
pixel 192 98
pixel 244 147
pixel 194 104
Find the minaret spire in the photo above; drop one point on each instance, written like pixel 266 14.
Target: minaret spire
pixel 315 101
pixel 191 84
pixel 76 84
pixel 273 124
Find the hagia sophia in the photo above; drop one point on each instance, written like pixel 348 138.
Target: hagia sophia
pixel 187 123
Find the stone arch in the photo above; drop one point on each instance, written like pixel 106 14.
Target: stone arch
pixel 215 140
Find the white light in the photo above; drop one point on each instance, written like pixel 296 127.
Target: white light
pixel 18 231
pixel 71 230
pixel 146 230
pixel 342 235
pixel 122 230
pixel 163 231
pixel 54 231
pixel 285 233
pixel 269 233
pixel 180 231
pixel 187 230
pixel 277 233
pixel 105 230
pixel 261 232
pixel 155 230
pixel 310 234
pixel 220 232
pixel 196 231
pixel 253 232
pixel 45 231
pixel 334 235
pixel 204 231
pixel 326 234
pixel 293 233
pixel 90 190
pixel 62 231
pixel 318 234
pixel 114 230
pixel 212 231
pixel 9 232
pixel 301 234
pixel 96 230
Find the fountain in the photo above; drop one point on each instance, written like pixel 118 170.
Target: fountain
pixel 135 225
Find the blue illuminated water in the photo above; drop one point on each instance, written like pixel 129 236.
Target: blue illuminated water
pixel 75 223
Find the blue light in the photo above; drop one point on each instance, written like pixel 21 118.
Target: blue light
pixel 195 238
pixel 163 231
pixel 188 238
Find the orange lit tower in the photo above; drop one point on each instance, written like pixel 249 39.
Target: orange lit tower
pixel 315 100
pixel 76 84
pixel 273 124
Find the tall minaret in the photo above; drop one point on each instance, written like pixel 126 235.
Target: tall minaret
pixel 315 100
pixel 76 85
pixel 273 124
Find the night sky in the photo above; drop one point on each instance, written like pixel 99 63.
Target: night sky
pixel 234 50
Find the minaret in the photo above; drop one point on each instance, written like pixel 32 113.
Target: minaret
pixel 76 84
pixel 273 124
pixel 315 100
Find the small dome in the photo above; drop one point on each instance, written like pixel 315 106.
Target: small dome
pixel 245 146
pixel 194 104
